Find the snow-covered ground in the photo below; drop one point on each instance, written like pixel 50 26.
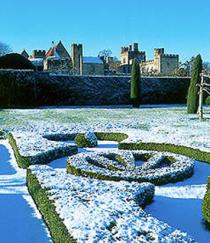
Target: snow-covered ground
pixel 168 124
pixel 180 204
pixel 20 221
pixel 177 204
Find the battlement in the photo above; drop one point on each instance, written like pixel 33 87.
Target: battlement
pixel 38 53
pixel 134 47
pixel 76 46
pixel 170 55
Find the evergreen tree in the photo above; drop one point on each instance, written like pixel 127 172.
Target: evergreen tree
pixel 135 91
pixel 192 96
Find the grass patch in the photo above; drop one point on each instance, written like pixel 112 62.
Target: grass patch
pixel 46 207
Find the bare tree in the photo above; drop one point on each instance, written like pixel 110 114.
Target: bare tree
pixel 105 53
pixel 4 49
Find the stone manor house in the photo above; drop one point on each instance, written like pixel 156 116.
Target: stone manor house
pixel 161 64
pixel 57 58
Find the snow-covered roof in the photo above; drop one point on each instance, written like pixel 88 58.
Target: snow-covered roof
pixel 36 61
pixel 92 60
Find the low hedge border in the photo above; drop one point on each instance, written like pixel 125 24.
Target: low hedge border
pixel 60 136
pixel 44 158
pixel 206 205
pixel 57 228
pixel 177 149
pixel 23 162
pixel 96 165
pixel 111 136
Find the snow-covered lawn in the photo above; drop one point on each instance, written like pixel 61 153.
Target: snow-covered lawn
pixel 177 204
pixel 180 204
pixel 166 124
pixel 20 221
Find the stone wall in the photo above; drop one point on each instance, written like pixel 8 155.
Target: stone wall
pixel 27 88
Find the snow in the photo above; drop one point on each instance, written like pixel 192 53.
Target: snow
pixel 180 204
pixel 19 219
pixel 151 171
pixel 177 204
pixel 96 60
pixel 89 207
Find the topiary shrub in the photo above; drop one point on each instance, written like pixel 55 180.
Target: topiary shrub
pixel 207 101
pixel 15 61
pixel 88 139
pixel 135 92
pixel 192 97
pixel 206 204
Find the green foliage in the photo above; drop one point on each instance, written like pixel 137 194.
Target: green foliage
pixel 3 134
pixel 47 208
pixel 15 61
pixel 81 141
pixel 192 97
pixel 43 158
pixel 135 92
pixel 163 147
pixel 111 136
pixel 23 162
pixel 207 101
pixel 206 204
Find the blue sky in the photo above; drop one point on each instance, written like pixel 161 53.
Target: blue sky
pixel 181 26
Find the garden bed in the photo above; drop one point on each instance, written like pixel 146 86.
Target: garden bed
pixel 159 168
pixel 93 210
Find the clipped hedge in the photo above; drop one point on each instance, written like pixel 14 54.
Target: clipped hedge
pixel 23 162
pixel 164 147
pixel 57 228
pixel 111 136
pixel 104 166
pixel 60 137
pixel 206 204
pixel 44 158
pixel 81 140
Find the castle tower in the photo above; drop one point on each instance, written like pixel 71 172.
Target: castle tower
pixel 76 55
pixel 158 52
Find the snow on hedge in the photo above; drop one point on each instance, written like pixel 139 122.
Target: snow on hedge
pixel 95 210
pixel 160 168
pixel 38 149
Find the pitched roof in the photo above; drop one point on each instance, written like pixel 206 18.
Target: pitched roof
pixel 58 51
pixel 25 54
pixel 96 60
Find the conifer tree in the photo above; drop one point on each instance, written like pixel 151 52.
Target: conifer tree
pixel 135 89
pixel 192 96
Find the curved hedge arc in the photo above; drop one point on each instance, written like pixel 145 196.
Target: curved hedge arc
pixel 43 158
pixel 166 147
pixel 158 169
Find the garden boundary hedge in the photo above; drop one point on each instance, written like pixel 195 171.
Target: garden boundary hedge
pixel 33 89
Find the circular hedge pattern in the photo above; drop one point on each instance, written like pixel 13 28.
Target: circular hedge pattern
pixel 142 166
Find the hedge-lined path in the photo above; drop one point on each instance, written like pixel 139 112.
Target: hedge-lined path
pixel 20 221
pixel 180 204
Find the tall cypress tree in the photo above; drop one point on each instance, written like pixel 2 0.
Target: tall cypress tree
pixel 192 96
pixel 135 90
